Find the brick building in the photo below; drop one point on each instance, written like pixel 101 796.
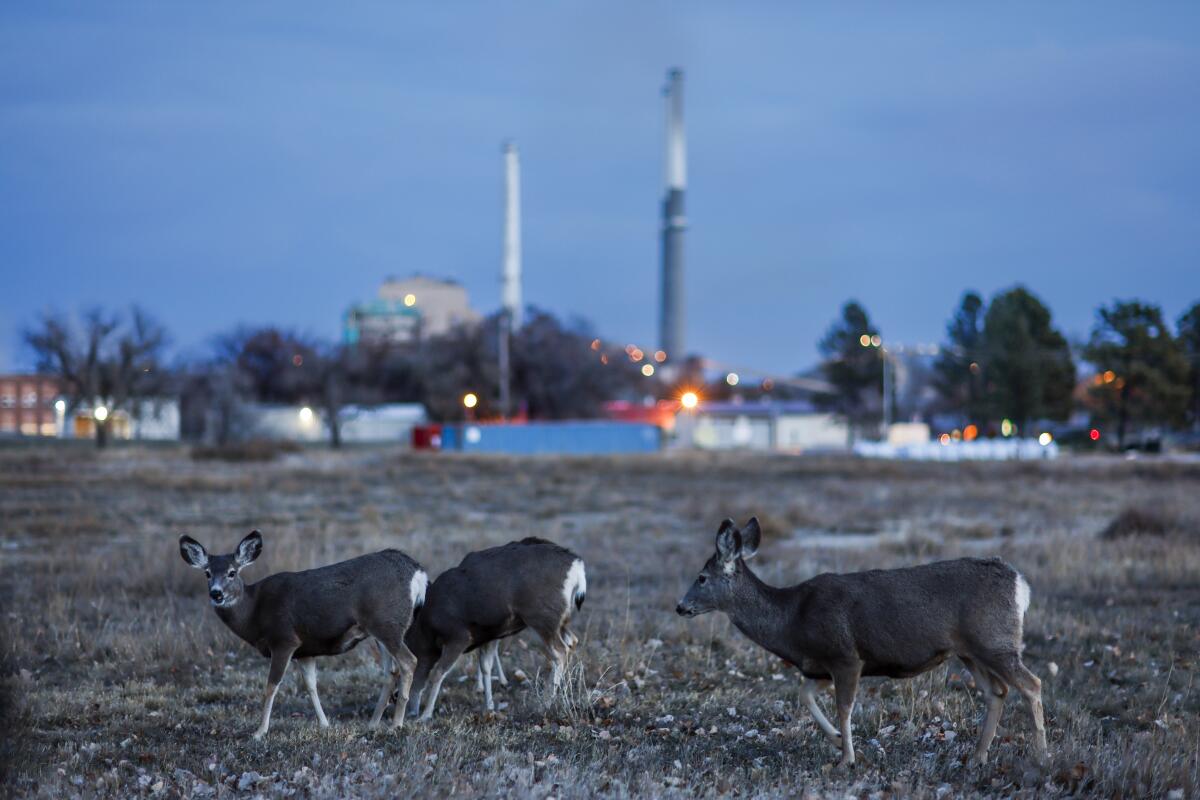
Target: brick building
pixel 27 405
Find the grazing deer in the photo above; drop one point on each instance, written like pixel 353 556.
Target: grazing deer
pixel 493 594
pixel 896 623
pixel 318 612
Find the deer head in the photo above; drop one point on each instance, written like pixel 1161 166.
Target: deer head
pixel 225 585
pixel 713 589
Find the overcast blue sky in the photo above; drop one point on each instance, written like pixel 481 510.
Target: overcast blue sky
pixel 258 163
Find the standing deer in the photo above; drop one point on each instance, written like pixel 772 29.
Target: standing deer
pixel 896 623
pixel 490 595
pixel 318 612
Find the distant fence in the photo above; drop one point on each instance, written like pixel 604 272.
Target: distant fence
pixel 577 438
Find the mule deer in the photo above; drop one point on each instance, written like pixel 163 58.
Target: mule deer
pixel 318 612
pixel 896 623
pixel 490 595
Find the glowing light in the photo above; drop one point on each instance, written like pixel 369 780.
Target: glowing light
pixel 732 379
pixel 689 400
pixel 470 400
pixel 944 438
pixel 410 300
pixel 865 340
pixel 1045 438
pixel 595 344
pixel 975 367
pixel 297 359
pixel 1006 427
pixel 956 434
pixel 1094 434
pixel 100 413
pixel 876 341
pixel 604 358
pixel 647 370
pixel 306 415
pixel 60 405
pixel 636 355
pixel 1109 376
pixel 970 433
pixel 660 356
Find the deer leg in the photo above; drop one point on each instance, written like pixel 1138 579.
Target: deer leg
pixel 487 654
pixel 445 663
pixel 845 687
pixel 308 667
pixel 1008 668
pixel 405 665
pixel 994 691
pixel 809 696
pixel 500 676
pixel 420 678
pixel 556 653
pixel 1030 686
pixel 280 658
pixel 389 684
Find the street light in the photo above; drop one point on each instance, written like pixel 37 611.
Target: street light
pixel 470 400
pixel 306 415
pixel 732 379
pixel 647 370
pixel 689 400
pixel 100 413
pixel 60 405
pixel 410 299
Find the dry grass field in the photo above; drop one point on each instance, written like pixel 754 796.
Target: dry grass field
pixel 118 679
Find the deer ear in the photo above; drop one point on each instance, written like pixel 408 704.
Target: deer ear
pixel 193 552
pixel 249 549
pixel 751 536
pixel 729 543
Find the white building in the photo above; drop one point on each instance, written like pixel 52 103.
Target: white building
pixel 788 427
pixel 364 424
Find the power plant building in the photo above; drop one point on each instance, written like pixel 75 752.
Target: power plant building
pixel 408 310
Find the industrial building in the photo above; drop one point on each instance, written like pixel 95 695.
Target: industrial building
pixel 408 310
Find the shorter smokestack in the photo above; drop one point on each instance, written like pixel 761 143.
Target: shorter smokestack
pixel 511 271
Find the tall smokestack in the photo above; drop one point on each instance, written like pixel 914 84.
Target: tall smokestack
pixel 674 223
pixel 511 273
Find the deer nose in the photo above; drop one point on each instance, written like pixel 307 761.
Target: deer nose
pixel 680 609
pixel 216 594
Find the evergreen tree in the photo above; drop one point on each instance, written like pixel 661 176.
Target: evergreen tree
pixel 853 365
pixel 958 374
pixel 1189 340
pixel 1027 366
pixel 1143 372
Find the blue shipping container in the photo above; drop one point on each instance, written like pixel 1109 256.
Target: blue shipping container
pixel 578 438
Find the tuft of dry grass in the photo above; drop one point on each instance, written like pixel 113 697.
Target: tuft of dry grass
pixel 116 679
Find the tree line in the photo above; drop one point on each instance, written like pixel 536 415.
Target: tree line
pixel 1001 361
pixel 117 359
pixel 1007 361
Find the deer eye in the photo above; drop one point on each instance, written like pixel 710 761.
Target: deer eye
pixel 232 573
pixel 208 573
pixel 702 579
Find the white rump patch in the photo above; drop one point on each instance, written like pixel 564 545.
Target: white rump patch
pixel 416 590
pixel 575 585
pixel 1022 596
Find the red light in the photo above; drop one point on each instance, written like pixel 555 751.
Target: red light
pixel 1094 434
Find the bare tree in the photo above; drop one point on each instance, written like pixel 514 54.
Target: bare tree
pixel 109 359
